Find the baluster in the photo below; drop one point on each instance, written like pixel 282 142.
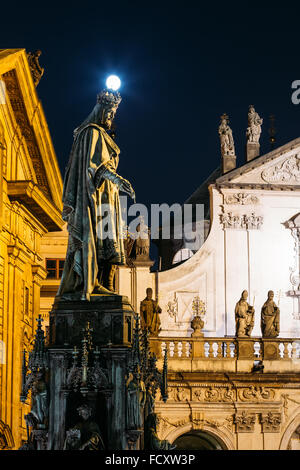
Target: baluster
pixel 186 349
pixel 211 349
pixel 206 349
pixel 281 350
pixel 286 350
pixel 220 349
pixel 227 352
pixel 294 350
pixel 233 349
pixel 290 349
pixel 163 346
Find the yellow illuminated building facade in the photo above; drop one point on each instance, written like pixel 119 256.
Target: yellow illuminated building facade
pixel 30 207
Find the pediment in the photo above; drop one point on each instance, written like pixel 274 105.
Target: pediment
pixel 279 168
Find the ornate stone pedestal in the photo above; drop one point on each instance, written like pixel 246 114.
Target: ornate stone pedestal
pixel 110 319
pixel 244 348
pixel 270 349
pixel 252 150
pixel 88 383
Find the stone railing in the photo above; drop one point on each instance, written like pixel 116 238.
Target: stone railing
pixel 208 348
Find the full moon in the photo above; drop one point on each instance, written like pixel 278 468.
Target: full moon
pixel 113 82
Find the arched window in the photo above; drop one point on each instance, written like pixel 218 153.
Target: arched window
pixel 182 255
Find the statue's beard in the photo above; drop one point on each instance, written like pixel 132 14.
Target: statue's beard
pixel 108 124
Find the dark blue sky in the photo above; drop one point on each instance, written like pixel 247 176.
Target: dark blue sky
pixel 181 68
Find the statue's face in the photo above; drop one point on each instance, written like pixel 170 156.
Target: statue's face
pixel 271 295
pixel 245 295
pixel 84 413
pixel 108 117
pixel 149 293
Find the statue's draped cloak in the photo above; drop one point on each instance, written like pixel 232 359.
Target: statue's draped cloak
pixel 90 181
pixel 270 319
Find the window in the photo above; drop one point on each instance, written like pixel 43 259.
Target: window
pixel 54 268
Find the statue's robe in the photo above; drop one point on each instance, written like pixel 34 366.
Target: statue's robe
pixel 91 181
pixel 244 318
pixel 150 320
pixel 270 319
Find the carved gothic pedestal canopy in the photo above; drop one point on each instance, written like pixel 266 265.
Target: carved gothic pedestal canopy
pixel 6 438
pixel 107 323
pixel 110 317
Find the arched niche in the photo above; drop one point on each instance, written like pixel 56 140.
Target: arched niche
pixel 291 433
pixel 6 438
pixel 209 436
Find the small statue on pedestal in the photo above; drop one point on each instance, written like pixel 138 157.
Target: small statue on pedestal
pixel 36 70
pixel 150 311
pixel 270 317
pixel 226 138
pixel 152 441
pixel 254 126
pixel 244 316
pixel 143 241
pixel 38 416
pixel 85 435
pixel 136 396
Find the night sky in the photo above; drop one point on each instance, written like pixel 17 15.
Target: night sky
pixel 181 68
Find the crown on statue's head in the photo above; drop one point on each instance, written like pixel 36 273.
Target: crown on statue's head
pixel 109 99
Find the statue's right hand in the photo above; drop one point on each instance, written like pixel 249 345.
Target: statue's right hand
pixel 127 188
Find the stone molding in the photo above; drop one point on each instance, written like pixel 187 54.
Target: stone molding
pixel 244 222
pixel 221 394
pixel 241 199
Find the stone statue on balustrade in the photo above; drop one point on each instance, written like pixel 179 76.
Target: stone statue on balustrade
pixel 254 126
pixel 244 316
pixel 226 138
pixel 85 435
pixel 270 317
pixel 149 311
pixel 91 205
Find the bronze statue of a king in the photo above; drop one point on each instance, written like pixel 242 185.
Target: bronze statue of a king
pixel 91 205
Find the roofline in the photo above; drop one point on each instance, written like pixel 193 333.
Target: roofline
pixel 258 161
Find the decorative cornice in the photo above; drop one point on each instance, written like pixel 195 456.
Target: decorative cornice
pixel 30 195
pixel 257 186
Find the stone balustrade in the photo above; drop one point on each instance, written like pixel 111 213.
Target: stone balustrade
pixel 209 353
